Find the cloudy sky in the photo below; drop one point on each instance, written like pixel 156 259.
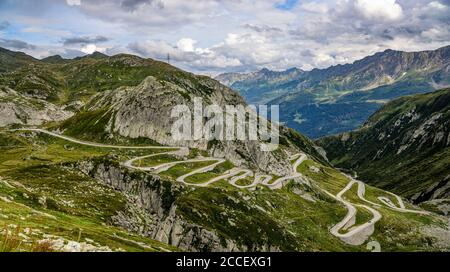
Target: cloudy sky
pixel 211 36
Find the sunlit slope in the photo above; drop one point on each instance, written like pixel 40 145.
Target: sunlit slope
pixel 404 147
pixel 296 216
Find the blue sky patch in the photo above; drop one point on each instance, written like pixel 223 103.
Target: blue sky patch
pixel 286 5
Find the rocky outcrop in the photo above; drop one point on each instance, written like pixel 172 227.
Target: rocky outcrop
pixel 145 110
pixel 130 97
pixel 152 209
pixel 21 110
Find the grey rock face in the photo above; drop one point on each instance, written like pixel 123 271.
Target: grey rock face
pixel 151 209
pixel 145 110
pixel 18 109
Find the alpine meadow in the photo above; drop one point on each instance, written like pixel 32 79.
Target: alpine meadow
pixel 224 126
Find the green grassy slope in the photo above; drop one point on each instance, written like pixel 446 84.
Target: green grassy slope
pixel 78 79
pixel 42 199
pixel 46 193
pixel 340 98
pixel 10 60
pixel 403 147
pixel 39 180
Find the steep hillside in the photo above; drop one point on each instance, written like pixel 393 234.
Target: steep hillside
pixel 340 98
pixel 10 60
pixel 70 84
pixel 167 198
pixel 56 59
pixel 404 147
pixel 143 112
pixel 259 87
pixel 111 177
pixel 124 96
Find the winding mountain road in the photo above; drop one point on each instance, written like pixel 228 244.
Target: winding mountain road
pixel 356 235
pixel 384 200
pixel 183 151
pixel 344 230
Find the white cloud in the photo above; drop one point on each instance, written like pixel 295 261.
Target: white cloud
pixel 234 35
pixel 138 14
pixel 315 7
pixel 324 58
pixel 73 2
pixel 185 54
pixel 186 45
pixel 379 9
pixel 437 5
pixel 91 48
pixel 46 31
pixel 436 33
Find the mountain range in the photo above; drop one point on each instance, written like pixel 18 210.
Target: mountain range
pixel 408 139
pixel 88 164
pixel 328 101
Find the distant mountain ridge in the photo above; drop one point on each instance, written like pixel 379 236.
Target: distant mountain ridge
pixel 231 78
pixel 11 60
pixel 404 147
pixel 133 95
pixel 88 152
pixel 322 102
pixel 54 59
pixel 256 86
